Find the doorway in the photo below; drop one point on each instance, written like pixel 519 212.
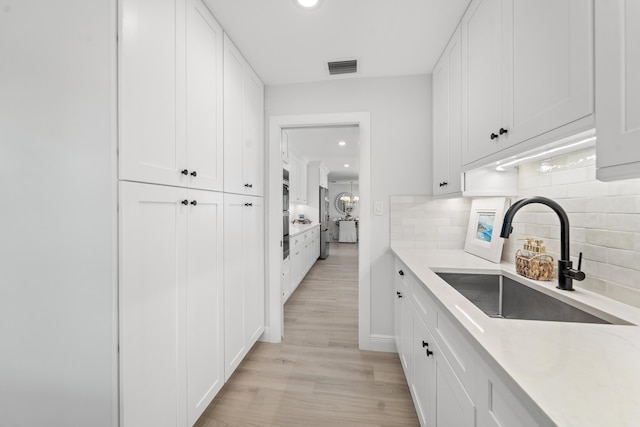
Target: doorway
pixel 323 165
pixel 274 306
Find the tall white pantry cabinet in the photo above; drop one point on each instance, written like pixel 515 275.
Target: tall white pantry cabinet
pixel 178 258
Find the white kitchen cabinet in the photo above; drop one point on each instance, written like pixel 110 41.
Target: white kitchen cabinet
pixel 404 319
pixel 243 276
pixel 617 89
pixel 304 251
pixel 423 381
pixel 171 359
pixel 450 382
pixel 297 179
pixel 447 116
pixel 496 405
pixel 441 399
pixel 523 87
pixel 243 125
pixel 285 281
pixel 170 94
pixel 284 147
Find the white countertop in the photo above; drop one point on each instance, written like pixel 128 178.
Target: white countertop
pixel 295 229
pixel 578 374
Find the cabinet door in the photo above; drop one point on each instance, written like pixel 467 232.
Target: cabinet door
pixel 447 116
pixel 482 68
pixel 243 276
pixel 618 89
pixel 152 301
pixel 243 125
pixel 423 373
pixel 284 147
pixel 548 81
pixel 398 319
pixel 285 281
pixel 204 98
pixel 234 270
pixel 253 137
pixel 253 230
pixel 453 406
pixel 205 353
pixel 152 147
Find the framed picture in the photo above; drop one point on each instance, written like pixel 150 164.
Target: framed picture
pixel 483 232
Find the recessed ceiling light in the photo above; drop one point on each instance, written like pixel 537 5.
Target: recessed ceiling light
pixel 342 143
pixel 346 165
pixel 308 4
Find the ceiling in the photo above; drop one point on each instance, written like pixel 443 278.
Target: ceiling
pixel 321 143
pixel 286 44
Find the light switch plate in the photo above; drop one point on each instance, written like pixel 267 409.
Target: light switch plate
pixel 378 208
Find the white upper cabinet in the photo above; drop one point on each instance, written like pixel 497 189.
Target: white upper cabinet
pixel 243 125
pixel 482 65
pixel 170 94
pixel 527 73
pixel 297 179
pixel 618 89
pixel 204 98
pixel 447 125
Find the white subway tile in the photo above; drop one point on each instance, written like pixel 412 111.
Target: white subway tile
pixel 623 222
pixel 569 176
pixel 611 239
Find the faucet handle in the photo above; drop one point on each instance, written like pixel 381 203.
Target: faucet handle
pixel 580 261
pixel 576 274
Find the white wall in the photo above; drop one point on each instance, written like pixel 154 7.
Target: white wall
pixel 400 110
pixel 57 213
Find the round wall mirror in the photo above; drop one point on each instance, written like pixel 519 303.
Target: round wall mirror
pixel 339 204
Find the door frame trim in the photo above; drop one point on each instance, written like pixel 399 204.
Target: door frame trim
pixel 274 314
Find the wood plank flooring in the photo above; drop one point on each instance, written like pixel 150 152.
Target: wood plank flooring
pixel 317 376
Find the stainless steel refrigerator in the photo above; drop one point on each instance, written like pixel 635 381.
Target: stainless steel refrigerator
pixel 324 223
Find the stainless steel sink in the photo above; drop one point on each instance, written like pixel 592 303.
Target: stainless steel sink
pixel 500 296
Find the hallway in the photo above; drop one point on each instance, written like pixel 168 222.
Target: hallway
pixel 317 376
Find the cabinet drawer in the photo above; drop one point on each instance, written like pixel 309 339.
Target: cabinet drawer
pixel 425 306
pixel 404 278
pixel 456 349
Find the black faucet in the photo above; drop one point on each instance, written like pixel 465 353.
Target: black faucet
pixel 566 274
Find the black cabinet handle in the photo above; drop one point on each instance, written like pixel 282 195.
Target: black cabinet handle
pixel 249 185
pixel 194 174
pixel 185 202
pixel 184 172
pixel 493 136
pixel 248 204
pixel 444 183
pixel 401 273
pixel 194 202
pixel 399 294
pixel 503 131
pixel 426 344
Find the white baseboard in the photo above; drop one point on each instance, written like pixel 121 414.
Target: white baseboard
pixel 386 343
pixel 266 336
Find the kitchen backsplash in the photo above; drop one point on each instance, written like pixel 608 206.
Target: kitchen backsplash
pixel 604 218
pixel 422 222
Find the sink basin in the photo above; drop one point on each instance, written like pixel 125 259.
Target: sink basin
pixel 499 296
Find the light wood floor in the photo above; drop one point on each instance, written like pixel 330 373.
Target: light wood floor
pixel 317 376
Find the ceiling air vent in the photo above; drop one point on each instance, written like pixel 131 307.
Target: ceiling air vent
pixel 343 67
